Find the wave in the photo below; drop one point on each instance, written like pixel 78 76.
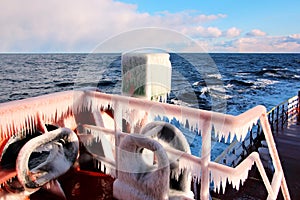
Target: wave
pixel 239 83
pixel 297 77
pixel 297 61
pixel 243 74
pixel 15 79
pixel 106 83
pixel 204 92
pixel 279 72
pixel 267 71
pixel 262 83
pixel 199 83
pixel 40 87
pixel 18 95
pixel 64 84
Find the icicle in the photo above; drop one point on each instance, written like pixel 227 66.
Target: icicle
pixel 190 163
pixel 98 164
pixel 220 174
pixel 102 168
pixel 220 180
pixel 18 115
pixel 224 182
pixel 239 131
pixel 31 124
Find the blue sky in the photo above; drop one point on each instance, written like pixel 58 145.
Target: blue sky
pixel 276 16
pixel 218 25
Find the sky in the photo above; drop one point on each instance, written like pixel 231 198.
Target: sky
pixel 216 25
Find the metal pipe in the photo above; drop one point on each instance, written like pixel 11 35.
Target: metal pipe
pixel 282 116
pixel 277 118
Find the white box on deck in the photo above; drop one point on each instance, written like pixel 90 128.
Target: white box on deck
pixel 146 75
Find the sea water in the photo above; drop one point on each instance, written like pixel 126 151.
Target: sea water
pixel 246 80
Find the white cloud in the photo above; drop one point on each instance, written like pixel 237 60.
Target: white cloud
pixel 187 17
pixel 260 44
pixel 256 32
pixel 62 25
pixel 295 36
pixel 207 18
pixel 232 32
pixel 202 32
pixel 75 25
pixel 211 32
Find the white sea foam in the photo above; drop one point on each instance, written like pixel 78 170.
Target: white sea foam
pixel 263 83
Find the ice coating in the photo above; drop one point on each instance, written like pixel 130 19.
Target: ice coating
pixel 59 161
pixel 27 114
pixel 18 116
pixel 146 75
pixel 220 177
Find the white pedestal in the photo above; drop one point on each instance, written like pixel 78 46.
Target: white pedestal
pixel 146 75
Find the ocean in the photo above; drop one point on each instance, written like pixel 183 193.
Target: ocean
pixel 225 82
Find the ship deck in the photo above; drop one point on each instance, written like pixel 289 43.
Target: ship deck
pixel 288 146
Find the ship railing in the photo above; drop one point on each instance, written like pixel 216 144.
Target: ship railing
pixel 137 111
pixel 220 173
pixel 239 150
pixel 280 115
pixel 58 108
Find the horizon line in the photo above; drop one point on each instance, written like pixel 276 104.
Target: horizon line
pixel 169 52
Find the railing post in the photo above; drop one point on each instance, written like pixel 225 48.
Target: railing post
pixel 283 118
pixel 277 118
pixel 270 118
pixel 251 137
pixel 274 155
pixel 206 148
pixel 258 130
pixel 272 122
pixel 298 108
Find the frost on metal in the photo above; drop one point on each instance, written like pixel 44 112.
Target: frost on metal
pixel 19 117
pixel 142 74
pixel 24 116
pixel 221 174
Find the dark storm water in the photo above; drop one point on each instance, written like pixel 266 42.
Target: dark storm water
pixel 244 80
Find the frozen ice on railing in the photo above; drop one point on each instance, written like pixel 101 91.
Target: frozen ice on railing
pixel 25 114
